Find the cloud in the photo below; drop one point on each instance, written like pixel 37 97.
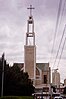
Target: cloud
pixel 13 28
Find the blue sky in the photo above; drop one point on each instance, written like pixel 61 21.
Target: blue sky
pixel 13 28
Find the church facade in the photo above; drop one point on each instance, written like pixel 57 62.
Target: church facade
pixel 42 75
pixel 39 73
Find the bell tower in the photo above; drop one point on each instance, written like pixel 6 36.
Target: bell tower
pixel 30 48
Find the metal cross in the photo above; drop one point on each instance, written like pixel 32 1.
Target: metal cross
pixel 30 9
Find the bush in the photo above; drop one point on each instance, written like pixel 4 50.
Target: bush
pixel 16 97
pixel 9 97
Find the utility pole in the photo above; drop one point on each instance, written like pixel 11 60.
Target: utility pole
pixel 2 74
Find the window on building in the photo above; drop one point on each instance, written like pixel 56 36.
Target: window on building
pixel 45 79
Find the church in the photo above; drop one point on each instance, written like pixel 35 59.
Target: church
pixel 39 73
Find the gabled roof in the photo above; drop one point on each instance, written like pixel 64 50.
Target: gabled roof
pixel 43 66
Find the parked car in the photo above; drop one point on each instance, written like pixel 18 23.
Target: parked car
pixel 58 97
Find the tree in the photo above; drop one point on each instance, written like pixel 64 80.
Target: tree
pixel 54 88
pixel 16 82
pixel 64 92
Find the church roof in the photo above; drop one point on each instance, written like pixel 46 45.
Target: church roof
pixel 43 66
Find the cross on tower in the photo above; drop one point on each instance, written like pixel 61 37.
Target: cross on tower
pixel 30 9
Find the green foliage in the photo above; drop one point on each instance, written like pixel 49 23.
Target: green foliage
pixel 64 92
pixel 10 97
pixel 16 97
pixel 16 82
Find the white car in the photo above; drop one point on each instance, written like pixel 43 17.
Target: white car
pixel 58 97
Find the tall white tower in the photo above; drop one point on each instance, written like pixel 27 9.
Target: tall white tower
pixel 56 78
pixel 30 48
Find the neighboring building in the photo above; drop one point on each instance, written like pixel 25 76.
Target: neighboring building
pixel 61 89
pixel 56 78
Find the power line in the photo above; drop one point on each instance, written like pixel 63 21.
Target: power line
pixel 59 45
pixel 62 11
pixel 63 31
pixel 56 27
pixel 61 52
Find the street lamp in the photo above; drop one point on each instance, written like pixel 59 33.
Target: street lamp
pixel 2 74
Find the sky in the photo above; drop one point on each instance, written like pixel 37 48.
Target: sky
pixel 13 27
